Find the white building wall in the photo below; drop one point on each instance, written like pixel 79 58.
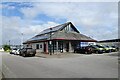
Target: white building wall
pixel 71 49
pixel 27 45
pixel 91 43
pixel 33 45
pixel 40 49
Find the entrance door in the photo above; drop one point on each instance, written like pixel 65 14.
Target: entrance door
pixel 67 47
pixel 61 46
pixel 45 47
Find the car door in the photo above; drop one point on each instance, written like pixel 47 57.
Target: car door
pixel 93 49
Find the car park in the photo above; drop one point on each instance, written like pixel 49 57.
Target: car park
pixel 106 49
pixel 113 49
pixel 27 52
pixel 84 50
pixel 96 49
pixel 15 51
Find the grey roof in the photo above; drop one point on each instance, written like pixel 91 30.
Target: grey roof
pixel 42 36
pixel 111 40
pixel 56 28
pixel 61 36
pixel 58 34
pixel 38 38
pixel 70 36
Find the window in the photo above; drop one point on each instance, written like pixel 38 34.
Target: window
pixel 41 46
pixel 27 45
pixel 69 28
pixel 37 46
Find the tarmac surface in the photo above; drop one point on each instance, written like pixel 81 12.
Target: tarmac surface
pixel 60 66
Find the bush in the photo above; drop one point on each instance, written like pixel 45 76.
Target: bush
pixel 6 48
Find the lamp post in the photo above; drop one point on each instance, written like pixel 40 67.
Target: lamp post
pixel 9 42
pixel 21 39
pixel 50 40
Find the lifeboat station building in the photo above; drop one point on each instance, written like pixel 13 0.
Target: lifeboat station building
pixel 61 38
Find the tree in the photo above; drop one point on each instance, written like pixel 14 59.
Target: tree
pixel 6 47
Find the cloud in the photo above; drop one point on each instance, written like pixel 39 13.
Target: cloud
pixel 61 1
pixel 87 16
pixel 30 13
pixel 35 29
pixel 12 27
pixel 6 6
pixel 0 31
pixel 97 20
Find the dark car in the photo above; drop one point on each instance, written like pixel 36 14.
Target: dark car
pixel 112 48
pixel 96 49
pixel 84 50
pixel 27 52
pixel 115 47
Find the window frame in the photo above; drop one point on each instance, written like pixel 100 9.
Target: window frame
pixel 37 46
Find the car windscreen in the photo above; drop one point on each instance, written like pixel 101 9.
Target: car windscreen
pixel 28 48
pixel 99 46
pixel 14 49
pixel 113 46
pixel 108 46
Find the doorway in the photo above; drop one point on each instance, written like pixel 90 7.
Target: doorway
pixel 67 47
pixel 45 50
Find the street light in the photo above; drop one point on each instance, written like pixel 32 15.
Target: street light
pixel 9 42
pixel 21 39
pixel 50 40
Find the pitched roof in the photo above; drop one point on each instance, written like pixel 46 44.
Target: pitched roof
pixel 62 36
pixel 111 40
pixel 58 34
pixel 70 36
pixel 56 28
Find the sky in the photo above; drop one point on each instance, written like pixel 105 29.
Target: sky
pixel 98 20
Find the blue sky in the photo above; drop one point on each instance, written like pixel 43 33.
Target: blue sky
pixel 98 20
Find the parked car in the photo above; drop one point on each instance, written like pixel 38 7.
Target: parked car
pixel 96 49
pixel 105 48
pixel 84 50
pixel 15 51
pixel 1 49
pixel 27 52
pixel 113 49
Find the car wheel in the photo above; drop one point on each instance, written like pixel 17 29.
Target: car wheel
pixel 20 54
pixel 86 52
pixel 33 55
pixel 23 55
pixel 96 52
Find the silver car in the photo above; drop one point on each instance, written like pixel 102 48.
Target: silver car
pixel 15 51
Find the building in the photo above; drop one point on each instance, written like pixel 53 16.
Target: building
pixel 61 38
pixel 111 42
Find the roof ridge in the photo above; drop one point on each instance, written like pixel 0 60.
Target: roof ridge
pixel 43 32
pixel 60 24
